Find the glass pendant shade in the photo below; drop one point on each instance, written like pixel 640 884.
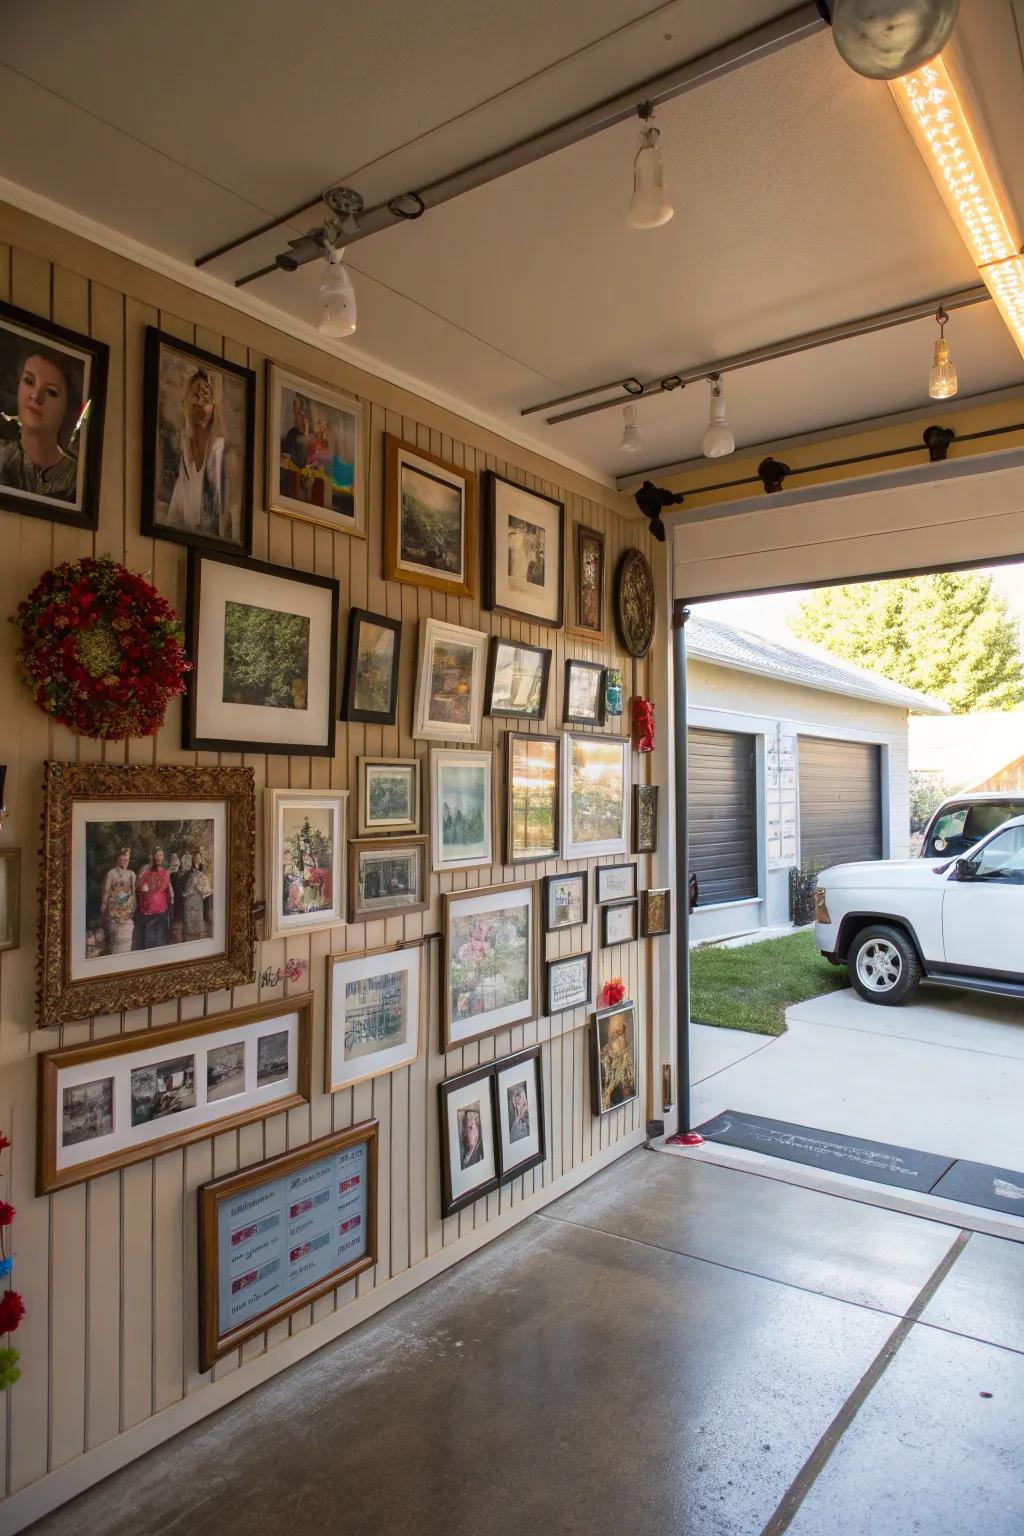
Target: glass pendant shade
pixel 650 204
pixel 942 375
pixel 337 298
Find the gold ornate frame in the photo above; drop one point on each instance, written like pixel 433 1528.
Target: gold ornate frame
pixel 60 999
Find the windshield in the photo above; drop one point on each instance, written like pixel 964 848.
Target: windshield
pixel 1002 858
pixel 959 828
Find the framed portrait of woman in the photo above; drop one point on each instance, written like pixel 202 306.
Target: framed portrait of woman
pixel 53 393
pixel 197 453
pixel 315 452
pixel 469 1155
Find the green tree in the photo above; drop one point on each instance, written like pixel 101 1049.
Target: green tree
pixel 266 657
pixel 950 635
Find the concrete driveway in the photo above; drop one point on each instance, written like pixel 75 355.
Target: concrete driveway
pixel 943 1074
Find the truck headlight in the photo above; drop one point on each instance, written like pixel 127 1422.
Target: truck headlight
pixel 820 907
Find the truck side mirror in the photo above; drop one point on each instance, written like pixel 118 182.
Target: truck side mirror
pixel 966 869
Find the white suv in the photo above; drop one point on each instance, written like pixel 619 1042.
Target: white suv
pixel 899 922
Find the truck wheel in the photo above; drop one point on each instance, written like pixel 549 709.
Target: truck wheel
pixel 883 965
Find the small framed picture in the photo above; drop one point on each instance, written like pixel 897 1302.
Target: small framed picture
pixel 305 860
pixel 489 963
pixel 450 682
pixel 588 610
pixel 197 446
pixel 10 898
pixel 618 923
pixel 315 452
pixel 645 818
pixel 388 795
pixel 567 983
pixel 532 797
pixel 523 536
pixel 655 913
pixel 469 1162
pixel 461 808
pixel 595 790
pixel 584 693
pixel 614 1079
pixel 615 882
pixel 519 1103
pixel 517 679
pixel 565 900
pixel 375 1012
pixel 263 641
pixel 387 877
pixel 53 397
pixel 371 668
pixel 429 520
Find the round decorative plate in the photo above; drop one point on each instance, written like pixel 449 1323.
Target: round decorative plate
pixel 634 602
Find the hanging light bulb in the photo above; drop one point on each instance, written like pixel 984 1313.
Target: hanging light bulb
pixel 649 205
pixel 942 374
pixel 718 440
pixel 631 439
pixel 337 296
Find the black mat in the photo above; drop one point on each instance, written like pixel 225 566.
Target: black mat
pixel 997 1189
pixel 872 1160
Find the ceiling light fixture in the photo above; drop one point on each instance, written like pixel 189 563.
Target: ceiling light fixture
pixel 631 442
pixel 337 295
pixel 718 440
pixel 649 205
pixel 942 374
pixel 882 39
pixel 934 113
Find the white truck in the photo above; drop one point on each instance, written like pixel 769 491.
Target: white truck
pixel 899 922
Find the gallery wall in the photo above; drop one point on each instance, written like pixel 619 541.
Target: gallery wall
pixel 108 1269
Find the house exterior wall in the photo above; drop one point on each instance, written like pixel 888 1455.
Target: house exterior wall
pixel 722 698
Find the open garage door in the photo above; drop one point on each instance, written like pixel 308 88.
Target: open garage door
pixel 840 801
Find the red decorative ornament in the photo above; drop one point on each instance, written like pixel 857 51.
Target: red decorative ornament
pixel 101 650
pixel 12 1310
pixel 7 1213
pixel 4 1143
pixel 643 725
pixel 613 991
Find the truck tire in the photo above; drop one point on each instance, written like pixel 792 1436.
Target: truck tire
pixel 883 965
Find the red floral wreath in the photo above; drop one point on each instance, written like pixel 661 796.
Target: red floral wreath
pixel 101 650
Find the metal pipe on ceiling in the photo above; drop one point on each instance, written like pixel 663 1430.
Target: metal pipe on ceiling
pixel 792 27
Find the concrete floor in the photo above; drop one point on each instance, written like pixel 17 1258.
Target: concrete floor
pixel 672 1347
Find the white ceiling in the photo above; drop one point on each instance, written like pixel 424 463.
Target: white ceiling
pixel 800 200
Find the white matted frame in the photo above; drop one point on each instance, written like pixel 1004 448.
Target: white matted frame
pixel 489 982
pixel 519 1113
pixel 589 805
pixel 345 421
pixel 279 802
pixel 371 770
pixel 442 711
pixel 447 767
pixel 363 993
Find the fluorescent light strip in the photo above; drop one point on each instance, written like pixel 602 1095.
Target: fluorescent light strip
pixel 938 124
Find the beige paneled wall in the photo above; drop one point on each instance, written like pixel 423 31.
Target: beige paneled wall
pixel 108 1268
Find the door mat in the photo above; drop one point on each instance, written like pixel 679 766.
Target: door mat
pixel 829 1149
pixel 997 1189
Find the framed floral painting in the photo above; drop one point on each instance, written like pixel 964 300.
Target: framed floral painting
pixel 489 965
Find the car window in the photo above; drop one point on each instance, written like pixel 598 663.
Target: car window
pixel 983 819
pixel 948 826
pixel 1002 859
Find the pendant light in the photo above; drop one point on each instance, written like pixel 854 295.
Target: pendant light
pixel 650 204
pixel 718 440
pixel 631 439
pixel 337 296
pixel 942 375
pixel 884 39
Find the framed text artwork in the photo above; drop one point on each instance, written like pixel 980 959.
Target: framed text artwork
pixel 615 882
pixel 567 983
pixel 115 1101
pixel 489 961
pixel 146 881
pixel 523 551
pixel 375 1012
pixel 429 520
pixel 618 923
pixel 315 453
pixel 304 860
pixel 53 397
pixel 275 1237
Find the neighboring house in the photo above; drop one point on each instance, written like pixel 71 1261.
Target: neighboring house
pixel 794 758
pixel 976 752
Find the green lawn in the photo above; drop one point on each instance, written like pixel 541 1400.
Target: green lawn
pixel 751 987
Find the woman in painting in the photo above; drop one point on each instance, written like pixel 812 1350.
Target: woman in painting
pixel 49 398
pixel 618 1073
pixel 204 888
pixel 202 500
pixel 192 926
pixel 117 905
pixel 471 1147
pixel 178 892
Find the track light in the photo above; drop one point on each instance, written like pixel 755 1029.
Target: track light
pixel 650 204
pixel 631 442
pixel 337 296
pixel 718 440
pixel 942 374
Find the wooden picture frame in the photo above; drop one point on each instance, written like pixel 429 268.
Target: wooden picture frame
pixel 10 898
pixel 76 365
pixel 449 704
pixel 553 1001
pixel 303 892
pixel 614 1068
pixel 218 583
pixel 298 482
pixel 379 820
pixel 593 804
pixel 348 1059
pixel 173 370
pixel 498 662
pixel 511 564
pixel 645 818
pixel 344 1163
pixel 362 696
pixel 520 1124
pixel 528 755
pixel 591 675
pixel 565 900
pixel 467 1138
pixel 655 913
pixel 608 876
pixel 612 917
pixel 461 795
pixel 135 1078
pixel 400 853
pixel 588 589
pixel 410 523
pixel 481 920
pixel 72 985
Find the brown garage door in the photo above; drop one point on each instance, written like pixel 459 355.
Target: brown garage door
pixel 840 801
pixel 722 814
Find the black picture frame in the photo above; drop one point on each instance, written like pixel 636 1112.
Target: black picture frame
pixel 608 869
pixel 497 643
pixel 646 929
pixel 550 965
pixel 597 1021
pixel 451 1203
pixel 155 340
pixel 618 906
pixel 598 717
pixel 490 480
pixel 60 336
pixel 507 1172
pixel 356 618
pixel 190 739
pixel 576 875
pixel 645 793
pixel 527 739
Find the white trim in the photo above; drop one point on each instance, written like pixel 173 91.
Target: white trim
pixel 757 724
pixel 56 1487
pixel 202 281
pixel 722 906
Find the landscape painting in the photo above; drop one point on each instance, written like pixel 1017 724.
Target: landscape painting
pixel 429 520
pixel 449 686
pixel 531 777
pixel 596 790
pixel 517 679
pixel 266 657
pixel 461 803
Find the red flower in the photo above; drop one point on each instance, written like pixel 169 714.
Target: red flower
pixel 4 1141
pixel 7 1213
pixel 12 1310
